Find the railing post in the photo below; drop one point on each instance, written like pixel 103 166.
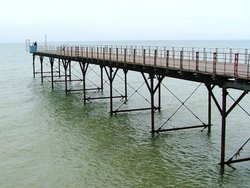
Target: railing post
pixel 248 65
pixel 134 56
pixel 116 54
pixel 110 54
pixel 204 55
pixel 97 52
pixel 144 54
pixel 181 59
pixel 77 50
pixel 246 54
pixel 92 52
pixel 197 61
pixel 205 58
pixel 103 53
pixel 231 55
pixel 192 53
pixel 87 53
pixel 125 54
pixel 214 63
pixel 173 56
pixel 167 59
pixel 155 57
pixel 236 61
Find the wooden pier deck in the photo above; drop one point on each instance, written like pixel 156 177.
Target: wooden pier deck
pixel 225 68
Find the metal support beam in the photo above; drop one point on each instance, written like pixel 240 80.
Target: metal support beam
pixel 209 124
pixel 41 61
pixel 111 90
pixel 180 128
pixel 34 68
pixel 65 66
pixel 84 68
pixel 70 73
pixel 159 78
pixel 151 77
pixel 210 89
pixel 59 67
pixel 133 110
pixel 101 78
pixel 152 91
pixel 224 113
pixel 51 60
pixel 125 82
pixel 111 77
pixel 223 126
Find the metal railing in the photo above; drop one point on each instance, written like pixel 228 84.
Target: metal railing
pixel 217 61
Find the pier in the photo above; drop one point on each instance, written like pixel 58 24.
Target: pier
pixel 227 69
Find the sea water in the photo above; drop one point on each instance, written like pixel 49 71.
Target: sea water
pixel 50 139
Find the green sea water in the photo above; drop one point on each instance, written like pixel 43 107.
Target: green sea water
pixel 50 139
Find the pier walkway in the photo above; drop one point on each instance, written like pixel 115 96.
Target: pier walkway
pixel 224 68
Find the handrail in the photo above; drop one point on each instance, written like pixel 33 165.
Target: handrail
pixel 219 61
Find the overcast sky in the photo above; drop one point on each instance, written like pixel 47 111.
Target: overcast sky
pixel 95 20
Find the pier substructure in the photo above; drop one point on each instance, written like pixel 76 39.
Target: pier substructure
pixel 66 64
pixel 84 67
pixel 183 104
pixel 224 112
pixel 210 89
pixel 152 91
pixel 218 72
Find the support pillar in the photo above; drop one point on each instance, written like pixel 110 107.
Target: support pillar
pixel 41 61
pixel 223 126
pixel 111 77
pixel 84 68
pixel 111 90
pixel 34 68
pixel 51 60
pixel 70 75
pixel 59 68
pixel 159 93
pixel 152 91
pixel 101 78
pixel 126 87
pixel 209 88
pixel 65 65
pixel 151 77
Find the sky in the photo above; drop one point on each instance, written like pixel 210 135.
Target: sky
pixel 111 20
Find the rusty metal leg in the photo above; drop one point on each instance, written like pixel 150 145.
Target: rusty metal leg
pixel 59 68
pixel 209 112
pixel 41 61
pixel 65 65
pixel 152 103
pixel 101 78
pixel 84 68
pixel 70 75
pixel 84 85
pixel 210 96
pixel 51 59
pixel 223 126
pixel 126 87
pixel 111 90
pixel 34 68
pixel 159 94
pixel 209 108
